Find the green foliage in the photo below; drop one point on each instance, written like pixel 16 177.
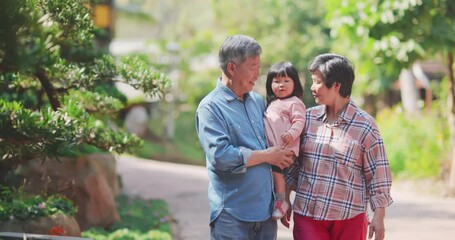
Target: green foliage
pixel 149 150
pixel 127 234
pixel 141 76
pixel 83 149
pixel 186 140
pixel 183 148
pixel 16 204
pixel 205 82
pixel 416 147
pixel 387 36
pixel 51 133
pixel 380 37
pixel 57 89
pixel 140 219
pixel 287 30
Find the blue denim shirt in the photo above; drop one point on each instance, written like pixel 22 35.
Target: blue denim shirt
pixel 229 130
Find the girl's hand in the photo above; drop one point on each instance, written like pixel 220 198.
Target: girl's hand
pixel 286 138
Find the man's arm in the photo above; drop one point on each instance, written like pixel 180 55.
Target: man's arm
pixel 272 155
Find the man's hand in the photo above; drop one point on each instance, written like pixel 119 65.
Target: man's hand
pixel 377 225
pixel 273 155
pixel 280 157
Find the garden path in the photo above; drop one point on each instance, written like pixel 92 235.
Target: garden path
pixel 184 187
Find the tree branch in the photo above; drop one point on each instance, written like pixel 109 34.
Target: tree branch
pixel 48 88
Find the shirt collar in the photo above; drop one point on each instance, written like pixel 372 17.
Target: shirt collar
pixel 228 93
pixel 346 116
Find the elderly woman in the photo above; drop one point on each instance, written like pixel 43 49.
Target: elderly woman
pixel 342 165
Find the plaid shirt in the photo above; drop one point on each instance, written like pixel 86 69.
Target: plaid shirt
pixel 341 166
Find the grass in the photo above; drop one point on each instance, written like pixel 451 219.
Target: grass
pixel 140 219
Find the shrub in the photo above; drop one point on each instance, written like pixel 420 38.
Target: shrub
pixel 140 219
pixel 16 204
pixel 415 146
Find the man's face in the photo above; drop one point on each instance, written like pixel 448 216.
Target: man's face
pixel 246 74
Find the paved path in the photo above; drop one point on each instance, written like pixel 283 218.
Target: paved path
pixel 184 187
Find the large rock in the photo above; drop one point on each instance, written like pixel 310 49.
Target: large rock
pixel 99 182
pixel 136 121
pixel 90 181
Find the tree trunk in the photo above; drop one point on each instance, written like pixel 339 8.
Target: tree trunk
pixel 409 93
pixel 369 104
pixel 451 119
pixel 48 88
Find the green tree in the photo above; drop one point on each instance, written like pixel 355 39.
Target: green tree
pixel 57 88
pixel 395 34
pixel 288 30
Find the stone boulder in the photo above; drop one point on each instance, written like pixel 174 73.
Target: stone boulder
pixel 90 181
pixel 136 121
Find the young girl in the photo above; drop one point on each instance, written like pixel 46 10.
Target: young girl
pixel 284 121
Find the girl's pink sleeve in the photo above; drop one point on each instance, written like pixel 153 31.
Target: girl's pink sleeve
pixel 297 118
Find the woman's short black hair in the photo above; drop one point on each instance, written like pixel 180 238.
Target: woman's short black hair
pixel 335 68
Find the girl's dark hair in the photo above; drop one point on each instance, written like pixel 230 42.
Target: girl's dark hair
pixel 283 69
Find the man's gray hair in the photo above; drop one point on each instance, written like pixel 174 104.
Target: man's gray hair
pixel 237 49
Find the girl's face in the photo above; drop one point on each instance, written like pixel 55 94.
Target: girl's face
pixel 282 87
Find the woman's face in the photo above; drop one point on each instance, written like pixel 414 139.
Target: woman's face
pixel 282 87
pixel 322 94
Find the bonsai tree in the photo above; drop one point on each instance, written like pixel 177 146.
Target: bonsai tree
pixel 57 90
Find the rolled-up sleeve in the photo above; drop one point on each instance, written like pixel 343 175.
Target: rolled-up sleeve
pixel 215 140
pixel 377 174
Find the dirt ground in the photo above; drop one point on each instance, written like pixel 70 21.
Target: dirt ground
pixel 417 212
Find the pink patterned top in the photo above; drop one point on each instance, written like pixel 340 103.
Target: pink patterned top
pixel 285 115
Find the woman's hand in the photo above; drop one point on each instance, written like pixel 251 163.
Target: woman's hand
pixel 377 225
pixel 286 219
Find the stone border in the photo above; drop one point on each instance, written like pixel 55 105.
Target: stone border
pixel 25 236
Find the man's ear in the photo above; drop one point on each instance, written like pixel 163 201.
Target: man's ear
pixel 231 68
